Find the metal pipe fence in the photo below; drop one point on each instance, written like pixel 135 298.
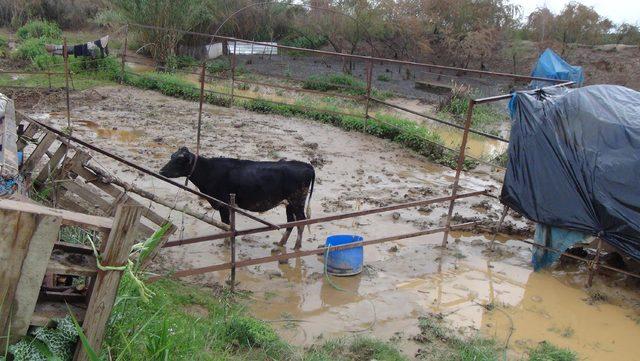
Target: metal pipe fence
pixel 367 98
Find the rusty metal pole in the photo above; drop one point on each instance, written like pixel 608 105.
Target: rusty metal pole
pixel 65 55
pixel 593 267
pixel 454 191
pixel 124 53
pixel 498 227
pixel 232 225
pixel 369 76
pixel 233 71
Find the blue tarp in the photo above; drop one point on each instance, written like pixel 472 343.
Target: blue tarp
pixel 553 237
pixel 574 161
pixel 551 65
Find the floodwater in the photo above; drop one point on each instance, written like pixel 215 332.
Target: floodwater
pixel 402 280
pixel 477 146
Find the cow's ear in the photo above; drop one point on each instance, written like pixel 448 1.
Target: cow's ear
pixel 183 150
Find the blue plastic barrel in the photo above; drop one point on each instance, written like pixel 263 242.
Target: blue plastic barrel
pixel 345 262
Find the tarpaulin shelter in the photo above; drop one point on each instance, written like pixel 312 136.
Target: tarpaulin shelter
pixel 550 65
pixel 574 161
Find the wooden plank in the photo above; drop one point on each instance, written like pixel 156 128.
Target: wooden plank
pixel 68 218
pixel 28 133
pixel 15 234
pixel 50 170
pixel 8 139
pixel 37 153
pixel 118 246
pixel 47 310
pixel 68 263
pixel 72 247
pixel 85 193
pixel 115 192
pixel 33 271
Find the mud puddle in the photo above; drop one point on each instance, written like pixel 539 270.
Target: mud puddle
pixel 402 280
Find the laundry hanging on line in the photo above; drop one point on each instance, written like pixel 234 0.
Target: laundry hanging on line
pixel 94 49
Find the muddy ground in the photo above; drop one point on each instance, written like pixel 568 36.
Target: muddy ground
pixel 402 280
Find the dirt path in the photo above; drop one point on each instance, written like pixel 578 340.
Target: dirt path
pixel 403 280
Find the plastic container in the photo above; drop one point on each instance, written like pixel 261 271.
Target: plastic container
pixel 345 262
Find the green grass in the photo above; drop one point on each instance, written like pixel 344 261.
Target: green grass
pixel 548 352
pixel 187 323
pixel 384 77
pixel 356 349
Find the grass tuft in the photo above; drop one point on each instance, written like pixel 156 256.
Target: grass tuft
pixel 548 352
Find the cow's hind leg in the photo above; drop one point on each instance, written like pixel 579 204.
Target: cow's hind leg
pixel 287 233
pixel 224 217
pixel 299 214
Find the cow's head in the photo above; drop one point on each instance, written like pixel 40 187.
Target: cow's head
pixel 180 164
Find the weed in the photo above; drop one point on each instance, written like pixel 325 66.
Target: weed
pixel 243 86
pixel 218 66
pixel 595 297
pixel 548 352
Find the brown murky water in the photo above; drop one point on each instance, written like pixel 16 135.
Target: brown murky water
pixel 403 279
pixel 477 146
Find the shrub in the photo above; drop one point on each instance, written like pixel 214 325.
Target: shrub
pixel 343 83
pixel 46 61
pixel 30 49
pixel 218 66
pixel 39 29
pixel 107 68
pixel 384 77
pixel 307 42
pixel 176 62
pixel 3 47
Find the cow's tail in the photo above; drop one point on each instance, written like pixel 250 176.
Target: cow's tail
pixel 308 210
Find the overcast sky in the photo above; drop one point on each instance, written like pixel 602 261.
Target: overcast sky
pixel 617 10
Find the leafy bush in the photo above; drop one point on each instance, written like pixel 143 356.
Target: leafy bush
pixel 46 61
pixel 107 68
pixel 384 77
pixel 218 66
pixel 30 49
pixel 308 42
pixel 39 29
pixel 176 62
pixel 339 82
pixel 3 47
pixel 343 83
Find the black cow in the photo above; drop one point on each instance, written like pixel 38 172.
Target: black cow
pixel 258 186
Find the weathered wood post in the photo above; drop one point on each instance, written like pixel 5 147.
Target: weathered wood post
pixel 115 252
pixel 65 55
pixel 233 72
pixel 232 225
pixel 26 239
pixel 124 53
pixel 593 267
pixel 369 79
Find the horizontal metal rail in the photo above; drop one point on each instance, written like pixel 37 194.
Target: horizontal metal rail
pixel 496 98
pixel 145 170
pixel 334 217
pixel 353 56
pixel 296 254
